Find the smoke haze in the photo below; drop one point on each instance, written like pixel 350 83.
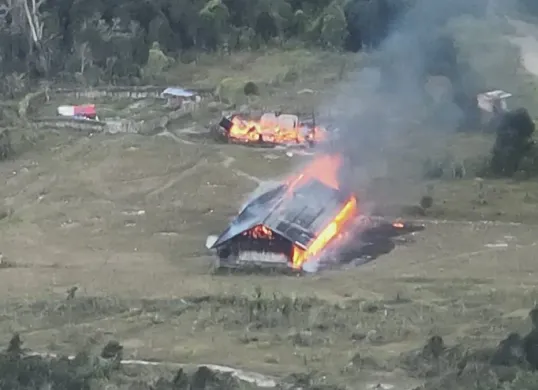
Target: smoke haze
pixel 417 76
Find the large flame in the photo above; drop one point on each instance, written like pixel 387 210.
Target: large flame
pixel 274 131
pixel 325 169
pixel 336 230
pixel 330 233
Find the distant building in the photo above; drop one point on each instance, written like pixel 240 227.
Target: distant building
pixel 492 103
pixel 84 111
pixel 177 97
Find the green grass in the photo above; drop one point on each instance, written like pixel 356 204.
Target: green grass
pixel 142 109
pixel 267 67
pixel 283 333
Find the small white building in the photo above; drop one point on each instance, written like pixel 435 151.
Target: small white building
pixel 492 103
pixel 177 97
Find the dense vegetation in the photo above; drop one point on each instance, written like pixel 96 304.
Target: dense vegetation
pixel 510 365
pixel 514 150
pixel 96 371
pixel 114 40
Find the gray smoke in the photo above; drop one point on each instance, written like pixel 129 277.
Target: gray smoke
pixel 416 76
pixel 392 91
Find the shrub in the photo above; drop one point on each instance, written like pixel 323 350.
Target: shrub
pixel 513 142
pixel 251 88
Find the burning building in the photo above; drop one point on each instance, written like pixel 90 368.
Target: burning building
pixel 308 218
pixel 270 130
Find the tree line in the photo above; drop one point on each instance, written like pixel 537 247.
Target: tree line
pixel 110 40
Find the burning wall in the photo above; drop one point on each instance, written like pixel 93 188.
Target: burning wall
pixel 326 170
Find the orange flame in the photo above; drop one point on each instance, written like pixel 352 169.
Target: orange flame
pixel 324 169
pixel 260 231
pixel 327 235
pixel 250 131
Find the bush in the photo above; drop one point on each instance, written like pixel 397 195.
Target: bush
pixel 251 88
pixel 19 371
pixel 333 27
pixel 157 62
pixel 118 44
pixel 230 91
pixel 513 142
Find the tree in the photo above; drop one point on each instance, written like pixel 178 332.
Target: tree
pixel 24 17
pixel 214 22
pixel 159 30
pixel 110 40
pixel 333 27
pixel 36 27
pixel 157 62
pixel 513 142
pixel 84 53
pixel 300 24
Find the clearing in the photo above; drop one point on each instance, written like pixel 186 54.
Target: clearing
pixel 124 218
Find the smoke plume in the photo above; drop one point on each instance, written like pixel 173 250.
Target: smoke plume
pixel 417 76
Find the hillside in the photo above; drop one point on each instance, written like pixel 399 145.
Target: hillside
pixel 104 223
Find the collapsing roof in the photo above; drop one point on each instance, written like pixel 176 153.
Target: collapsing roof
pixel 269 129
pixel 298 216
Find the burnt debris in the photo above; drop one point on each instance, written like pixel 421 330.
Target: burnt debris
pixel 268 130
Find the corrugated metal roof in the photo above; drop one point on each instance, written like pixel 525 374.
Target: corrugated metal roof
pixel 497 94
pixel 178 92
pixel 299 218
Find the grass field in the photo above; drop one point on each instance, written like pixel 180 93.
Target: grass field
pixel 124 219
